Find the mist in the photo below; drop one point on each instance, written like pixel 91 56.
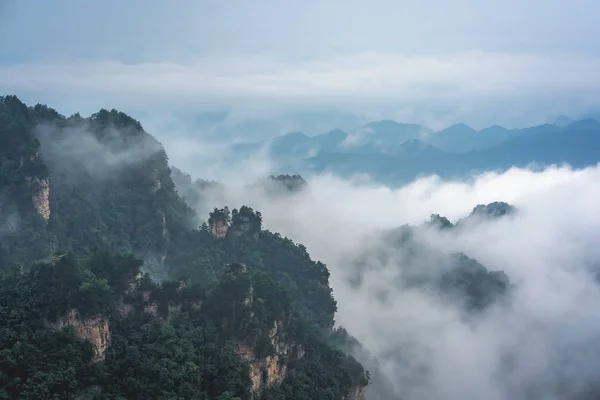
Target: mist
pixel 77 147
pixel 540 344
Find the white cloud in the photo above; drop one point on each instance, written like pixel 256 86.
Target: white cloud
pixel 367 81
pixel 427 350
pixel 370 74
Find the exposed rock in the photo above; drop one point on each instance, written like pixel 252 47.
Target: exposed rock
pixel 165 236
pixel 41 198
pixel 264 372
pixel 135 282
pixel 156 181
pixel 270 370
pixel 219 229
pixel 356 393
pixel 95 330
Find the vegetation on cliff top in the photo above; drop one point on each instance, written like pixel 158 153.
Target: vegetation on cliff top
pixel 112 203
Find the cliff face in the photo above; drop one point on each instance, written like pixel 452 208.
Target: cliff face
pixel 356 393
pixel 95 330
pixel 157 184
pixel 219 229
pixel 41 198
pixel 270 370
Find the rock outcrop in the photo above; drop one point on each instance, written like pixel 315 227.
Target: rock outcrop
pixel 95 330
pixel 156 183
pixel 41 197
pixel 219 229
pixel 356 393
pixel 270 370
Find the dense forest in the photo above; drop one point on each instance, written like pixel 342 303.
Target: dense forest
pixel 111 287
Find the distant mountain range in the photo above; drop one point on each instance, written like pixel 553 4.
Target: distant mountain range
pixel 395 153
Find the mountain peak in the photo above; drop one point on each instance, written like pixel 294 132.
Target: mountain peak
pixel 291 139
pixel 333 132
pixel 458 128
pixel 294 135
pixel 562 120
pixel 585 124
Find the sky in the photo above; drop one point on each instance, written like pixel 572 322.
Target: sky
pixel 508 62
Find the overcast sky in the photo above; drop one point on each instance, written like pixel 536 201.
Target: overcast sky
pixel 435 61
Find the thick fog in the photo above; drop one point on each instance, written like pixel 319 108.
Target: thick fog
pixel 541 344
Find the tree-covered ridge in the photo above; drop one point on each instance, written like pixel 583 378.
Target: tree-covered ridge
pixel 282 184
pixel 174 340
pixel 23 177
pixel 417 264
pixel 201 259
pixel 82 322
pixel 99 182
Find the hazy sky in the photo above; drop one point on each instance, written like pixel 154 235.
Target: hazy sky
pixel 435 61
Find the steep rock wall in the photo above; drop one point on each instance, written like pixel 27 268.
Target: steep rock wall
pixel 356 393
pixel 219 229
pixel 41 197
pixel 95 330
pixel 270 370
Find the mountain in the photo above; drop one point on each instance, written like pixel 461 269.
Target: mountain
pixel 562 120
pixel 330 140
pixel 455 276
pixel 394 133
pixel 455 138
pixel 590 124
pixel 111 287
pixel 461 138
pixel 375 137
pixel 576 144
pixel 219 125
pixel 387 139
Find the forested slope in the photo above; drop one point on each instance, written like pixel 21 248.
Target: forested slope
pixel 111 289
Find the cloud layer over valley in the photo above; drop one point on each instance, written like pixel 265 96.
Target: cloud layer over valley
pixel 541 344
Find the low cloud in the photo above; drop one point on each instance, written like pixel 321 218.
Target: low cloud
pixel 435 89
pixel 76 147
pixel 542 344
pixel 357 138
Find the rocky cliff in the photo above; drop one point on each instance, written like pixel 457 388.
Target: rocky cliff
pixel 219 229
pixel 95 330
pixel 357 393
pixel 102 183
pixel 271 369
pixel 41 197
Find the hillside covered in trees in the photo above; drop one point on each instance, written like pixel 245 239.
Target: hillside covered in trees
pixel 111 287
